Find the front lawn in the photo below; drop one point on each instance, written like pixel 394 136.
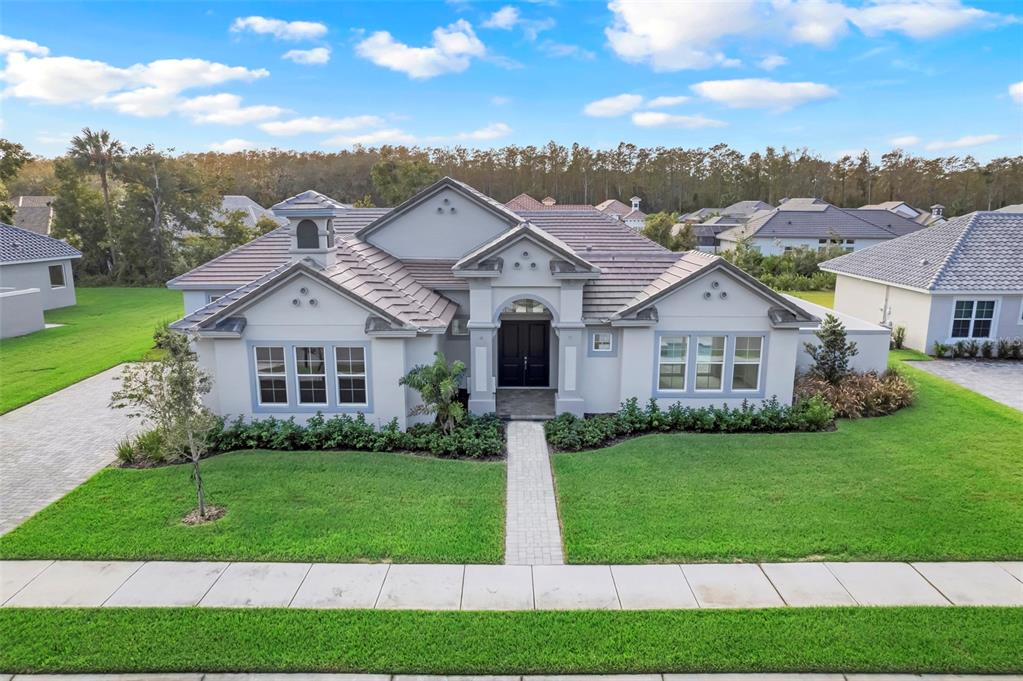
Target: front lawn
pixel 287 506
pixel 107 326
pixel 949 640
pixel 941 480
pixel 825 298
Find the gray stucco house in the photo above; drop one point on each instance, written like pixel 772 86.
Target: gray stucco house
pixel 958 280
pixel 35 275
pixel 329 312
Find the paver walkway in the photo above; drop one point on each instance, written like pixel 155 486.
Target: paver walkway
pixel 54 444
pixel 37 584
pixel 532 529
pixel 1002 381
pixel 574 677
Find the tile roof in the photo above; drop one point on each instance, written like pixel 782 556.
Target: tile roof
pixel 816 219
pixel 309 200
pixel 251 210
pixel 980 251
pixel 745 208
pixel 613 207
pixel 1013 208
pixel 586 231
pixel 524 202
pixel 22 245
pixel 34 213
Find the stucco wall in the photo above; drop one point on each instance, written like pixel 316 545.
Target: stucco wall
pixel 1006 320
pixel 37 275
pixel 445 226
pixel 196 299
pixel 866 300
pixel 21 312
pixel 872 340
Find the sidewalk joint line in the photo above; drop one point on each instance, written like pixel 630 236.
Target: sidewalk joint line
pixel 689 586
pixel 461 590
pixel 931 584
pixel 614 585
pixel 383 581
pixel 25 585
pixel 768 578
pixel 842 584
pixel 121 585
pixel 213 583
pixel 308 570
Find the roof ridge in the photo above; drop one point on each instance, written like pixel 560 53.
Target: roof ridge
pixel 418 304
pixel 952 251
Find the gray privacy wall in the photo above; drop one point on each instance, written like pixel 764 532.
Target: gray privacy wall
pixel 37 275
pixel 21 312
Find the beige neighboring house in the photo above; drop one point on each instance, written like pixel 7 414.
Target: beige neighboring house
pixel 959 280
pixel 922 217
pixel 629 214
pixel 34 213
pixel 569 305
pixel 35 275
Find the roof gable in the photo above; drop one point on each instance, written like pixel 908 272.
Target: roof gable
pixel 524 231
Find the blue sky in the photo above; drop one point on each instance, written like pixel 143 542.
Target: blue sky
pixel 936 77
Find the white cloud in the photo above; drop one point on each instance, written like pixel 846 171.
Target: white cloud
pixel 659 119
pixel 963 142
pixel 504 18
pixel 760 93
pixel 498 100
pixel 227 109
pixel 453 49
pixel 377 137
pixel 280 29
pixel 9 44
pixel 905 141
pixel 772 61
pixel 817 22
pixel 613 106
pixel 665 102
pixel 490 132
pixel 671 35
pixel 562 50
pixel 919 19
pixel 298 126
pixel 233 145
pixel 137 89
pixel 317 55
pixel 1016 92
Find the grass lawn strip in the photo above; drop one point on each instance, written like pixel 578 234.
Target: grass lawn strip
pixel 941 480
pixel 960 640
pixel 108 326
pixel 281 506
pixel 825 298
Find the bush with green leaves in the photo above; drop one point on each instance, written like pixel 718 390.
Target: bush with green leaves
pixel 898 337
pixel 831 357
pixel 572 433
pixel 476 437
pixel 437 385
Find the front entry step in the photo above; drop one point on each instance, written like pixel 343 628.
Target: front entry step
pixel 519 404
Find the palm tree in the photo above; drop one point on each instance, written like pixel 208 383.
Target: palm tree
pixel 99 153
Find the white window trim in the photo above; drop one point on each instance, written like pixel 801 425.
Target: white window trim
pixel 299 376
pixel 973 317
pixel 63 275
pixel 338 375
pixel 259 375
pixel 610 341
pixel 697 362
pixel 737 361
pixel 684 362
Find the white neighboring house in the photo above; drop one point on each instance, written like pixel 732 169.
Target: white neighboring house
pixel 816 224
pixel 630 215
pixel 35 275
pixel 959 280
pixel 329 312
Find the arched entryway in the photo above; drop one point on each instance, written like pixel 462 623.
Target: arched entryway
pixel 525 346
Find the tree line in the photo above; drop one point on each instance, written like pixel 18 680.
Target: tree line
pixel 146 213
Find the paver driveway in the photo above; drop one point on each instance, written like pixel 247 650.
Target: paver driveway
pixel 52 445
pixel 1002 381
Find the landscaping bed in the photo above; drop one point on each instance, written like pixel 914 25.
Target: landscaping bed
pixel 108 326
pixel 910 640
pixel 939 480
pixel 293 506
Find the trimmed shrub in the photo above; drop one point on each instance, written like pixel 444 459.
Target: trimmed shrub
pixel 858 395
pixel 898 337
pixel 147 448
pixel 475 437
pixel 571 433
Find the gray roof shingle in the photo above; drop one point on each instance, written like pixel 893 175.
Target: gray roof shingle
pixel 980 251
pixel 816 219
pixel 22 245
pixel 34 213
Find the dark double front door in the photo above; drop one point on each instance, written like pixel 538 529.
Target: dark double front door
pixel 524 354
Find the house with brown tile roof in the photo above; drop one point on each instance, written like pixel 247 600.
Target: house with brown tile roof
pixel 327 313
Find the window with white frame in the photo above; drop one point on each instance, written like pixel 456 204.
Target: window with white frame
pixel 311 371
pixel 973 318
pixel 710 362
pixel 603 341
pixel 271 375
pixel 351 375
pixel 57 276
pixel 671 363
pixel 746 362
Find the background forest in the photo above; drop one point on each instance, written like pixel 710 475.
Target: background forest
pixel 142 216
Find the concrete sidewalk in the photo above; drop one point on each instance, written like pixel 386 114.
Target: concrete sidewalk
pixel 575 677
pixel 37 584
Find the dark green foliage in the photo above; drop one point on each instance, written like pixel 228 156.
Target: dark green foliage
pixel 12 157
pixel 437 384
pixel 396 179
pixel 795 270
pixel 832 356
pixel 475 437
pixel 571 433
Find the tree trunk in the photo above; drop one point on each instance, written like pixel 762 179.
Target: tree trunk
pixel 200 490
pixel 112 258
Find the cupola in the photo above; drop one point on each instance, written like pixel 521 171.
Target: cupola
pixel 310 226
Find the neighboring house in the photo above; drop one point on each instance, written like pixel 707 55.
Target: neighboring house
pixel 959 280
pixel 922 217
pixel 707 223
pixel 1014 208
pixel 328 313
pixel 629 214
pixel 816 224
pixel 249 208
pixel 35 275
pixel 34 213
